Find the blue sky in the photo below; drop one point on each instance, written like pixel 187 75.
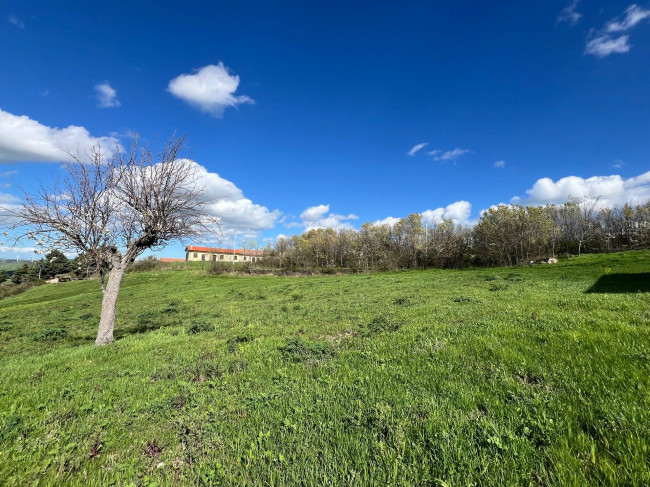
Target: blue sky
pixel 307 112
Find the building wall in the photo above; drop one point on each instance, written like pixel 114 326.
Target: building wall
pixel 196 256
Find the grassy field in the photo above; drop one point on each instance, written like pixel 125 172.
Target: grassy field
pixel 517 376
pixel 11 265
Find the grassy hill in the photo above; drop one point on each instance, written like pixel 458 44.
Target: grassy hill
pixel 517 376
pixel 10 265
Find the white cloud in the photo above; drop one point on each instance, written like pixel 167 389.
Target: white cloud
pixel 16 21
pixel 618 164
pixel 14 251
pixel 319 217
pixel 237 214
pixel 8 199
pixel 500 163
pixel 314 213
pixel 389 220
pixel 25 140
pixel 9 205
pixel 416 148
pixel 610 190
pixel 106 95
pixel 211 89
pixel 569 14
pixel 448 155
pixel 459 212
pixel 633 15
pixel 603 45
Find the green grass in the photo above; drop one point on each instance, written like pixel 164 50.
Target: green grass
pixel 511 376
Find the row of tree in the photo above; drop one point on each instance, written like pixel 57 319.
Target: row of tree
pixel 504 235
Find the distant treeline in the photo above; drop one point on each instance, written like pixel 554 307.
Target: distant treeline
pixel 504 235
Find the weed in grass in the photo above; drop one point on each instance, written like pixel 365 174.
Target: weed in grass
pixel 380 324
pixel 178 401
pixel 95 449
pixel 146 318
pixel 462 299
pixel 36 377
pixel 237 366
pixel 51 334
pixel 300 350
pixel 498 287
pixel 199 327
pixel 514 277
pixel 152 450
pixel 234 342
pixel 172 308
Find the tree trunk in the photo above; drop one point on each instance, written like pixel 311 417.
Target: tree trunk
pixel 107 319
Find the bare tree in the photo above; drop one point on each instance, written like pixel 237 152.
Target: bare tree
pixel 113 210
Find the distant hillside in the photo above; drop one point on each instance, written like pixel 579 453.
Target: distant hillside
pixel 11 265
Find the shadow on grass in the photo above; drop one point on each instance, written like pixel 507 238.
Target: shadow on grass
pixel 622 283
pixel 140 328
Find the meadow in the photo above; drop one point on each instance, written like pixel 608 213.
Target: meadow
pixel 535 375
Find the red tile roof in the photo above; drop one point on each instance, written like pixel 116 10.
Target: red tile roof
pixel 212 250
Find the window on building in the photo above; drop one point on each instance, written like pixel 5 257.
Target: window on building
pixel 214 257
pixel 234 257
pixel 244 257
pixel 202 256
pixel 252 259
pixel 221 257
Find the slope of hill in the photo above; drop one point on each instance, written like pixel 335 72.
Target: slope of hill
pixel 530 375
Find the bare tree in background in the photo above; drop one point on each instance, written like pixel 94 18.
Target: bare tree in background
pixel 113 210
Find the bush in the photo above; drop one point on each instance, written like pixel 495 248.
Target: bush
pixel 151 263
pixel 218 268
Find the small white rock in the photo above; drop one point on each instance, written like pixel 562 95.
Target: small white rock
pixel 160 465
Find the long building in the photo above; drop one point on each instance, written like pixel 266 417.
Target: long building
pixel 194 253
